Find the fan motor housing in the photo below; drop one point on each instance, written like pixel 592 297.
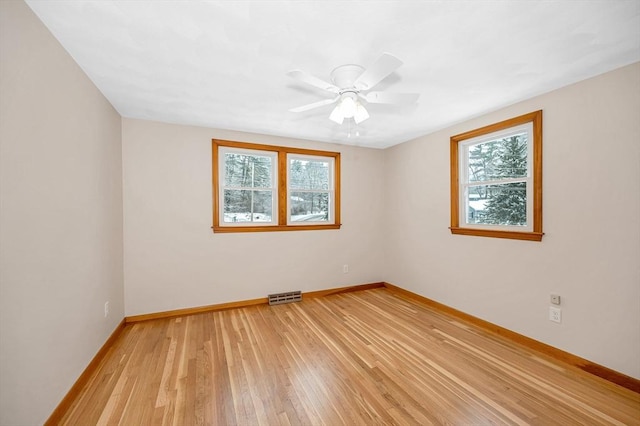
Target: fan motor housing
pixel 345 75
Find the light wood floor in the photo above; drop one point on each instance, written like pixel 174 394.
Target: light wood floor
pixel 361 358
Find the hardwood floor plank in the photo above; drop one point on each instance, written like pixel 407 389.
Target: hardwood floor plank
pixel 360 358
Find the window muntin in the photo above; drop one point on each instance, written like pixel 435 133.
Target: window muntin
pixel 270 188
pixel 496 180
pixel 310 189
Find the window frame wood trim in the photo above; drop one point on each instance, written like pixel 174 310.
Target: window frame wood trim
pixel 282 168
pixel 536 235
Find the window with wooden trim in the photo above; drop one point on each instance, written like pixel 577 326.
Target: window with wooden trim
pixel 272 188
pixel 496 180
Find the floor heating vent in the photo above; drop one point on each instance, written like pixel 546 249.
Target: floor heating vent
pixel 288 297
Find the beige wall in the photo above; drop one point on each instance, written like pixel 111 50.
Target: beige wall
pixel 60 219
pixel 173 259
pixel 590 253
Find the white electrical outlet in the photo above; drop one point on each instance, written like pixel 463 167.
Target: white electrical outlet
pixel 345 269
pixel 106 309
pixel 555 314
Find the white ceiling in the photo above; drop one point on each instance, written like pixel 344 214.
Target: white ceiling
pixel 222 64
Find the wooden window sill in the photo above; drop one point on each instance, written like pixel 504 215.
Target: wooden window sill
pixel 514 235
pixel 274 228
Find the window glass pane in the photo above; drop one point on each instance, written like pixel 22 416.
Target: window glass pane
pixel 309 206
pixel 306 174
pixel 498 159
pixel 247 171
pixel 247 206
pixel 504 204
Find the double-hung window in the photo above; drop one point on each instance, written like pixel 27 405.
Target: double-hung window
pixel 496 180
pixel 272 188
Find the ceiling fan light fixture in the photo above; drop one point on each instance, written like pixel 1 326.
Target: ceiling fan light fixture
pixel 348 105
pixel 361 113
pixel 336 115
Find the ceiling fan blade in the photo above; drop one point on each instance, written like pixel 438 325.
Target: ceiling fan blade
pixel 382 67
pixel 390 98
pixel 314 105
pixel 312 80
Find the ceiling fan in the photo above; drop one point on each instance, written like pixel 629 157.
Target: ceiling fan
pixel 351 84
